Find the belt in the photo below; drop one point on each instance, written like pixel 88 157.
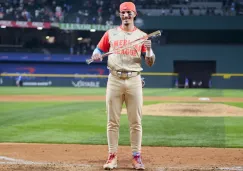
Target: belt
pixel 124 74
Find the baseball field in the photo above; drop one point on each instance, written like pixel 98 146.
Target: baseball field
pixel 64 129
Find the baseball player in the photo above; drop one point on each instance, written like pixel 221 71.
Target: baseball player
pixel 19 80
pixel 186 83
pixel 124 82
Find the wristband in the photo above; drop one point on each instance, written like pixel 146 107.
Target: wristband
pixel 97 50
pixel 149 53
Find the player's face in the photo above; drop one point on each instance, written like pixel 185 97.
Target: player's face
pixel 127 16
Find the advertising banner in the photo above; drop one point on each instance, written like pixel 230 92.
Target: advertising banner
pixel 25 24
pixel 50 68
pixel 50 74
pixel 97 27
pixel 55 82
pixel 44 58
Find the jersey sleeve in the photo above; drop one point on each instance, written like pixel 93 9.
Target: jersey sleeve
pixel 143 50
pixel 104 44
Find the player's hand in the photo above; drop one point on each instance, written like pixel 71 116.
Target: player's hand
pixel 148 44
pixel 96 57
pixel 149 61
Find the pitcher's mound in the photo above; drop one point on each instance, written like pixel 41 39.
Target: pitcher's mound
pixel 190 109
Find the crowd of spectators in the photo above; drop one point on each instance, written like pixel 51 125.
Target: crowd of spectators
pixel 72 11
pixel 105 11
pixel 34 10
pixel 196 8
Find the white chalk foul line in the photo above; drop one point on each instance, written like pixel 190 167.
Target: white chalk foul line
pixel 20 161
pixel 236 168
pixel 11 159
pixel 45 163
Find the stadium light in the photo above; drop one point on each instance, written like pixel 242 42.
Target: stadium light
pixel 39 28
pixel 80 38
pixel 47 37
pixel 3 26
pixel 92 30
pixel 51 39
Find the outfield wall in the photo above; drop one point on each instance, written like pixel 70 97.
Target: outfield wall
pixel 60 72
pixel 54 74
pixel 229 60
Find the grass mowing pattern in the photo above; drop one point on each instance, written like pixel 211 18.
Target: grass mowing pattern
pixel 85 123
pixel 233 132
pixel 51 91
pixel 233 93
pixel 211 93
pixel 234 128
pixel 101 92
pixel 184 131
pixel 52 122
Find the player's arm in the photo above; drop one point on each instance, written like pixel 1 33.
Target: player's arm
pixel 102 47
pixel 147 53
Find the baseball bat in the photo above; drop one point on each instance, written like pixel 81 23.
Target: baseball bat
pixel 132 43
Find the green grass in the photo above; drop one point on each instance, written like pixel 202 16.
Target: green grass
pixel 85 123
pixel 234 131
pixel 101 91
pixel 184 131
pixel 236 104
pixel 51 122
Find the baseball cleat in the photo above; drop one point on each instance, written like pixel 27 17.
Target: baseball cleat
pixel 111 163
pixel 137 162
